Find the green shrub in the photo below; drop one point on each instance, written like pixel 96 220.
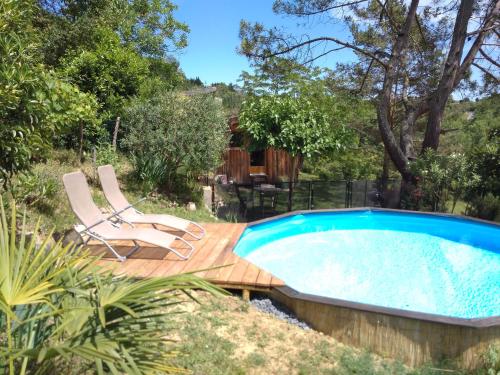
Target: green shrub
pixel 350 164
pixel 66 156
pixel 150 171
pixel 487 207
pixel 440 177
pixel 491 361
pixel 106 154
pixel 112 72
pixel 174 138
pixel 484 197
pixel 60 313
pixel 34 188
pixel 35 104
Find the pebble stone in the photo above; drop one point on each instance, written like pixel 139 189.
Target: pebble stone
pixel 281 312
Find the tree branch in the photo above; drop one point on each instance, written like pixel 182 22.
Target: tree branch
pixel 365 76
pixel 323 39
pixel 313 13
pixel 384 10
pixel 482 29
pixel 490 19
pixel 321 55
pixel 488 57
pixel 485 71
pixel 421 31
pixel 450 77
pixel 397 155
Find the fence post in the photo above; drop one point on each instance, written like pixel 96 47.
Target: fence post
pixel 366 191
pixel 350 194
pixel 94 162
pixel 309 202
pixel 212 188
pixel 346 194
pixel 312 196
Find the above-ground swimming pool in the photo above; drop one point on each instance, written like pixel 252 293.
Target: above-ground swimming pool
pixel 431 264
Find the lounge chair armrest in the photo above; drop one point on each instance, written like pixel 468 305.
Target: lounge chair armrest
pixel 137 202
pixel 115 214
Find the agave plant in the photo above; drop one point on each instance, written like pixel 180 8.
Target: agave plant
pixel 60 312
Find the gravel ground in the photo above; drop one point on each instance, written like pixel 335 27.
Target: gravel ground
pixel 274 308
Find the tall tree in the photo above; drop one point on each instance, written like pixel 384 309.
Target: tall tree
pixel 413 56
pixel 148 26
pixel 110 47
pixel 291 124
pixel 355 116
pixel 35 104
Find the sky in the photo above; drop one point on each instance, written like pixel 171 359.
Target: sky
pixel 211 53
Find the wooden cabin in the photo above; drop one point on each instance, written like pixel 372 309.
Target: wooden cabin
pixel 242 166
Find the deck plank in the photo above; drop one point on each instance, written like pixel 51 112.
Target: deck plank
pixel 251 275
pixel 264 279
pixel 177 265
pixel 227 258
pixel 213 255
pixel 211 258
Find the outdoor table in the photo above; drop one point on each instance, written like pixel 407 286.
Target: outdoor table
pixel 270 191
pixel 258 178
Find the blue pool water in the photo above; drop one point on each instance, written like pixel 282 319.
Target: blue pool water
pixel 438 265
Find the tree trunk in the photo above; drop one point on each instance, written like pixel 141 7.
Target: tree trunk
pixel 385 169
pixel 433 129
pixel 451 70
pixel 291 178
pixel 115 132
pixel 384 105
pixel 384 179
pixel 80 151
pixel 408 123
pixel 408 198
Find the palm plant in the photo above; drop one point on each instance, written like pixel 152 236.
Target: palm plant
pixel 60 312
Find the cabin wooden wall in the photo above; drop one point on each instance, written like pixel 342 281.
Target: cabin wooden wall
pixel 277 164
pixel 237 165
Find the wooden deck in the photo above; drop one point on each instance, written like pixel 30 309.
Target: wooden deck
pixel 214 256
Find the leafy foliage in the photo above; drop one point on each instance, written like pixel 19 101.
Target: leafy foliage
pixel 33 188
pixel 70 110
pixel 352 120
pixel 281 76
pixel 486 207
pixel 106 154
pixel 491 359
pixel 231 97
pixel 294 124
pixel 110 71
pixel 58 310
pixel 286 123
pixel 147 26
pixel 411 57
pixel 109 47
pixel 354 163
pixel 151 171
pixel 484 197
pixel 173 135
pixel 35 104
pixel 439 177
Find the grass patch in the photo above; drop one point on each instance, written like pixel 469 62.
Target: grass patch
pixel 55 212
pixel 255 360
pixel 229 336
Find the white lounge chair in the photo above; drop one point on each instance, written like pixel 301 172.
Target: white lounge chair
pixel 129 214
pixel 100 227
